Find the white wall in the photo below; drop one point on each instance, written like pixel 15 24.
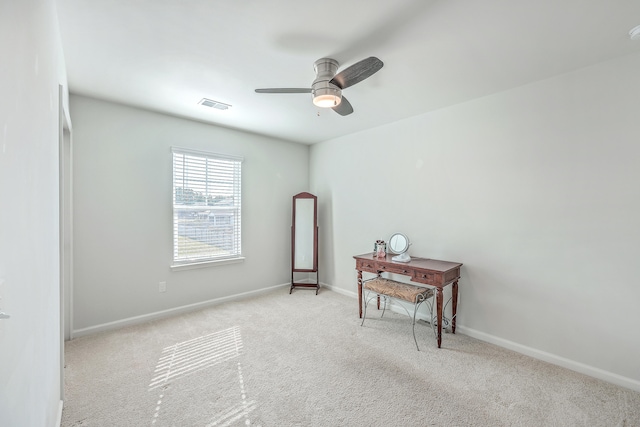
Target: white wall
pixel 31 71
pixel 536 190
pixel 123 215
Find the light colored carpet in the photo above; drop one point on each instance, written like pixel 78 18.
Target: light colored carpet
pixel 304 360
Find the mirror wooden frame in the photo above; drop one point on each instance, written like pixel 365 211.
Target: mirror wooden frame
pixel 304 240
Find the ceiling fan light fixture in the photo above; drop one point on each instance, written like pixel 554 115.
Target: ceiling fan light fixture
pixel 327 98
pixel 325 94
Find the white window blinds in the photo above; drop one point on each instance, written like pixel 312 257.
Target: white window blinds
pixel 206 206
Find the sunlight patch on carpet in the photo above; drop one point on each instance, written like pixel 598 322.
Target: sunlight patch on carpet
pixel 188 357
pixel 242 410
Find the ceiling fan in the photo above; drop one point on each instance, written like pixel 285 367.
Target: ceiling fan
pixel 328 86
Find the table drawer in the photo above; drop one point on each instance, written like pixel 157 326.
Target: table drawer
pixel 397 269
pixel 424 277
pixel 364 265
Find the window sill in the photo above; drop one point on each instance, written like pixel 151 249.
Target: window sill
pixel 204 264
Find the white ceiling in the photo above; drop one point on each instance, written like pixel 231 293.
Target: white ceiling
pixel 166 55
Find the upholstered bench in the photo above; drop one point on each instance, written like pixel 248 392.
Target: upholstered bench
pixel 388 288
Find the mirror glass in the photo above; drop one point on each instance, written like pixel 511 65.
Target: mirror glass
pixel 304 245
pixel 398 243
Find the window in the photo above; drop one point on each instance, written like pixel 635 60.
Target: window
pixel 206 207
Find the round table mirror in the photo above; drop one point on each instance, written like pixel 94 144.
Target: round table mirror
pixel 399 244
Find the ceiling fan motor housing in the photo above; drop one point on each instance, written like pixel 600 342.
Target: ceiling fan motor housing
pixel 325 94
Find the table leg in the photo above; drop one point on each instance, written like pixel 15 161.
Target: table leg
pixel 360 293
pixel 454 305
pixel 439 310
pixel 379 295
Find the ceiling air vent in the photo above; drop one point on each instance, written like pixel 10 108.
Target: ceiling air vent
pixel 214 104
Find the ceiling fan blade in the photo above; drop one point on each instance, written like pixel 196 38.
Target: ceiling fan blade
pixel 344 108
pixel 357 72
pixel 284 90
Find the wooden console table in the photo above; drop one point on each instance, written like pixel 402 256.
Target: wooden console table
pixel 421 270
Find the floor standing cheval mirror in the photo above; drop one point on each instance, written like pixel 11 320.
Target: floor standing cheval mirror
pixel 304 242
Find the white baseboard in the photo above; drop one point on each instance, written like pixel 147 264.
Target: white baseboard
pixel 352 294
pixel 553 359
pixel 170 312
pixel 60 406
pixel 522 349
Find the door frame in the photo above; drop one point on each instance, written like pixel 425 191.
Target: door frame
pixel 65 161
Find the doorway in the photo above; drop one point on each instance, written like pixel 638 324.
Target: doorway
pixel 66 230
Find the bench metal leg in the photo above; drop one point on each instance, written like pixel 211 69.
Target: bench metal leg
pixel 367 301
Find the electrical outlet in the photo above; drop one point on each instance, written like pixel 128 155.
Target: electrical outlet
pixel 162 287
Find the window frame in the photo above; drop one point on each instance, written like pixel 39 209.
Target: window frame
pixel 203 210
